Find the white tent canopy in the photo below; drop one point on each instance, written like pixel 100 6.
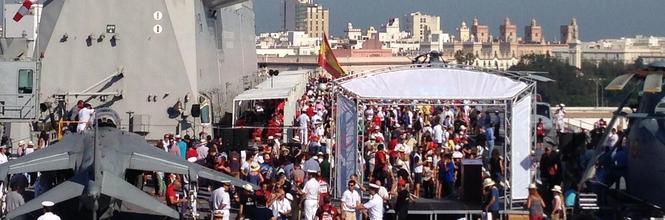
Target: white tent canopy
pixel 288 85
pixel 435 83
pixel 514 93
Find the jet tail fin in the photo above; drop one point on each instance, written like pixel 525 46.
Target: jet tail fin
pixel 61 192
pixel 117 188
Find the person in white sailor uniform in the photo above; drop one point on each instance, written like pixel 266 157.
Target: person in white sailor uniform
pixel 48 211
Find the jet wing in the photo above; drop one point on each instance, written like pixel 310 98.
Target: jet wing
pixel 117 188
pixel 64 191
pixel 59 156
pixel 147 157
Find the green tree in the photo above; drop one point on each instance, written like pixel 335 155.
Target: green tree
pixel 569 87
pixel 575 87
pixel 469 58
pixel 459 57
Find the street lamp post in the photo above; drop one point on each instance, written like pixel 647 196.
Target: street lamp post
pixel 598 97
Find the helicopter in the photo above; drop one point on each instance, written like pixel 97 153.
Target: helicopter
pixel 645 139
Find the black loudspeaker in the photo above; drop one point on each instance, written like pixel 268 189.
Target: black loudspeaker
pixel 472 182
pixel 196 110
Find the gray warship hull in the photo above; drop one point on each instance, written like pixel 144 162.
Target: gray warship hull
pixel 154 58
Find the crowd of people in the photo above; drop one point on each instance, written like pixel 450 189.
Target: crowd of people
pixel 411 151
pixel 408 150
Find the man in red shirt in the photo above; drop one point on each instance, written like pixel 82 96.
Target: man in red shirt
pixel 327 211
pixel 381 160
pixel 172 198
pixel 191 152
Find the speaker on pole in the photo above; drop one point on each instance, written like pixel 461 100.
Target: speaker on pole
pixel 196 110
pixel 472 187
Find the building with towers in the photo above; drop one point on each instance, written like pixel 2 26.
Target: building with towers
pixel 464 33
pixel 570 33
pixel 508 31
pixel 480 33
pixel 533 33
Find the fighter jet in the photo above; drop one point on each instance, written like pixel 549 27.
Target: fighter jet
pixel 100 159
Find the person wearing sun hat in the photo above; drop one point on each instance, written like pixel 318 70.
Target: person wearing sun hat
pixel 558 209
pixel 535 203
pixel 247 201
pixel 254 175
pixel 490 199
pixel 220 200
pixel 48 211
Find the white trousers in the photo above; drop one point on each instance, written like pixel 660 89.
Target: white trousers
pixel 310 209
pixel 81 127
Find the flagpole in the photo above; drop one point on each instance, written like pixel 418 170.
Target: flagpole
pixel 4 22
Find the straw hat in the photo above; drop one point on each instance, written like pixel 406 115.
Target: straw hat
pixel 400 163
pixel 556 188
pixel 255 167
pixel 218 213
pixel 296 139
pixel 21 142
pixel 374 186
pixel 248 188
pixel 532 186
pixel 488 182
pixel 457 155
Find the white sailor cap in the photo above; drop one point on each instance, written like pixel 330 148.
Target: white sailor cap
pixel 226 181
pixel 372 185
pixel 289 196
pixel 192 159
pixel 312 171
pixel 47 203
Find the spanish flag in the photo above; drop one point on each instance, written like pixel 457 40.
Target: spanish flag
pixel 328 61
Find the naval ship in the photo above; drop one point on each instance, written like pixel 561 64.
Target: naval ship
pixel 153 61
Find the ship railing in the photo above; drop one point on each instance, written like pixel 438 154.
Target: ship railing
pixel 433 214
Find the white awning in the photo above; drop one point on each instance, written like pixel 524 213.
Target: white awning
pixel 435 83
pixel 264 94
pixel 288 85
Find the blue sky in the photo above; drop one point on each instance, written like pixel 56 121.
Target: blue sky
pixel 597 18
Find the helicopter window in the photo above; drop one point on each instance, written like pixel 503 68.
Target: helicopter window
pixel 661 105
pixel 25 81
pixel 543 110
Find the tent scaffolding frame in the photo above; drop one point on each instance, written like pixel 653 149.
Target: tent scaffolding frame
pixel 505 103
